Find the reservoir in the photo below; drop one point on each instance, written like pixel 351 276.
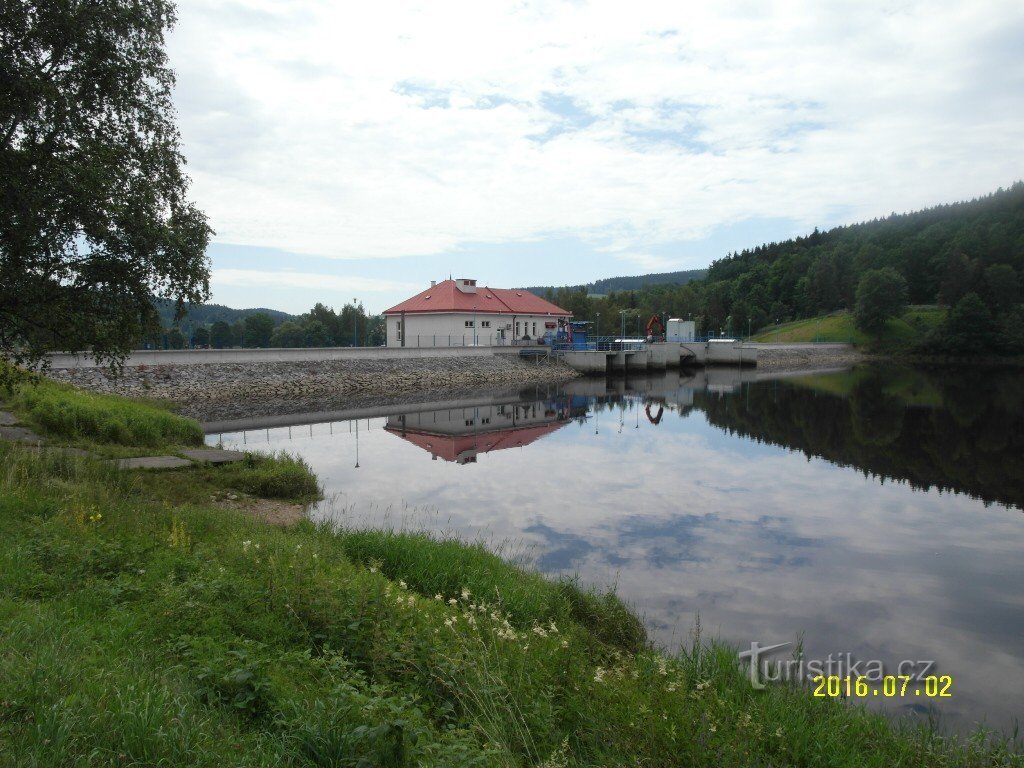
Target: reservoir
pixel 870 515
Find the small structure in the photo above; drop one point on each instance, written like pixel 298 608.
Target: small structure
pixel 456 313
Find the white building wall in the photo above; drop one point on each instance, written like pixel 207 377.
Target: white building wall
pixel 444 329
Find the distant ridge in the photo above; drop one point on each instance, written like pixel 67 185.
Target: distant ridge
pixel 206 314
pixel 627 283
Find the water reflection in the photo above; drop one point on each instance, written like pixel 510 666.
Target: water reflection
pixel 769 507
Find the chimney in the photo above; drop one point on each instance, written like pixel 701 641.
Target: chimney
pixel 433 283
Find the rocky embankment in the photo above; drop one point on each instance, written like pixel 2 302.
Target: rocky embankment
pixel 802 357
pixel 337 379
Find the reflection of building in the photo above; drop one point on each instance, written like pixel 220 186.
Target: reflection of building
pixel 457 313
pixel 460 434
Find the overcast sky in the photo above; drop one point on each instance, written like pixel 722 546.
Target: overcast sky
pixel 349 150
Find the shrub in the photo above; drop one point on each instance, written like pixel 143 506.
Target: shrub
pixel 279 476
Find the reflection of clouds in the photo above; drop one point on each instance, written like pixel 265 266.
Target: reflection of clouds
pixel 763 542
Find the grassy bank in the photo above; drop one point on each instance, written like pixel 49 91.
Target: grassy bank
pixel 145 624
pixel 899 333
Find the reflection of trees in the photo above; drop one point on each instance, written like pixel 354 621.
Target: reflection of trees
pixel 973 443
pixel 877 417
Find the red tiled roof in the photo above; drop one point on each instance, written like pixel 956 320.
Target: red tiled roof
pixel 454 447
pixel 446 297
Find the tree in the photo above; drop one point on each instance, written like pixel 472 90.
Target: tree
pixel 201 337
pixel 969 327
pixel 175 339
pixel 220 335
pixel 258 328
pixel 94 220
pixel 1002 286
pixel 881 294
pixel 288 334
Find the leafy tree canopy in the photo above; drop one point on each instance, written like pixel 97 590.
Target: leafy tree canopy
pixel 94 219
pixel 881 294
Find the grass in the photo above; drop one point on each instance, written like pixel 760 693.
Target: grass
pixel 59 410
pixel 280 476
pixel 144 625
pixel 900 332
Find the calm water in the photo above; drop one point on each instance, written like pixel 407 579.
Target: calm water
pixel 875 512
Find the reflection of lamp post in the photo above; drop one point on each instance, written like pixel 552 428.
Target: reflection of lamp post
pixel 357 443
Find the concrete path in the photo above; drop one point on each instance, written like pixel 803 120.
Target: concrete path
pixel 195 455
pixel 20 435
pixel 213 455
pixel 7 419
pixel 151 462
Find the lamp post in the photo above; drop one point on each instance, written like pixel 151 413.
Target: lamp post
pixel 474 325
pixel 355 323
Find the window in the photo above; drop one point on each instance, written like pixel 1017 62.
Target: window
pixel 469 323
pixel 398 330
pixel 469 422
pixel 534 329
pixel 517 328
pixel 485 323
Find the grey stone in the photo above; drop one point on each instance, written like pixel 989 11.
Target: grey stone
pixel 19 435
pixel 7 419
pixel 152 462
pixel 213 455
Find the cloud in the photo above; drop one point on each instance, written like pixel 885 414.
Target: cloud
pixel 310 280
pixel 390 129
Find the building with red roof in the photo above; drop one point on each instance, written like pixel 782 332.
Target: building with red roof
pixel 459 313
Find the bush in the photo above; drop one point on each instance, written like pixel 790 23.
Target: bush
pixel 279 476
pixel 881 294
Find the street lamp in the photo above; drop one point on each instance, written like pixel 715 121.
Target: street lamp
pixel 355 323
pixel 474 325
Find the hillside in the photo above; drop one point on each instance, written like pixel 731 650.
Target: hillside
pixel 626 283
pixel 964 258
pixel 207 314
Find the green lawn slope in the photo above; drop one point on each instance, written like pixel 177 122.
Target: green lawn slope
pixel 904 331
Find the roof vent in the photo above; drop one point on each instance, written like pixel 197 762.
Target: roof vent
pixel 518 293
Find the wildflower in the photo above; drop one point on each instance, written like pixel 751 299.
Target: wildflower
pixel 662 664
pixel 465 594
pixel 565 643
pixel 403 585
pixel 298 547
pixel 453 601
pixel 553 628
pixel 599 675
pixel 373 569
pixel 316 556
pixel 438 596
pixel 713 728
pixel 449 622
pixel 412 600
pixel 778 731
pixel 540 631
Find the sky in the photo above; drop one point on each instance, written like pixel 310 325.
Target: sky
pixel 359 150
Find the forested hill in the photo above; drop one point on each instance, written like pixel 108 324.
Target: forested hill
pixel 943 254
pixel 628 283
pixel 207 314
pixel 967 257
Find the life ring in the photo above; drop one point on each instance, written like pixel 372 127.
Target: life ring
pixel 655 420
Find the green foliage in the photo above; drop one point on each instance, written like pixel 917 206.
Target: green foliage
pixel 969 328
pixel 175 339
pixel 258 328
pixel 94 219
pixel 281 476
pixel 881 294
pixel 62 411
pixel 220 335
